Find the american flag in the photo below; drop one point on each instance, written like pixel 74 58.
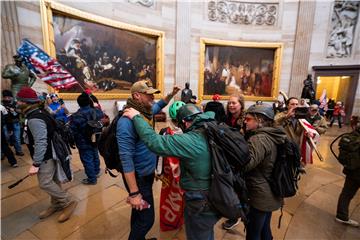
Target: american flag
pixel 306 149
pixel 322 99
pixel 46 68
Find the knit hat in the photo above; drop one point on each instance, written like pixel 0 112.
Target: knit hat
pixel 52 95
pixel 83 100
pixel 216 97
pixel 7 93
pixel 28 95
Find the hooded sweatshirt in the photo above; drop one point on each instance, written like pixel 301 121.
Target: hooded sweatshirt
pixel 263 151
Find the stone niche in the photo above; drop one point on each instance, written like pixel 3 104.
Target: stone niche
pixel 343 24
pixel 245 13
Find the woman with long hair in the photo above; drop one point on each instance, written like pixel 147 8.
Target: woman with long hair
pixel 235 111
pixel 235 118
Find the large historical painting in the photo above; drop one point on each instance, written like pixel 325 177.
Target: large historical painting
pixel 103 55
pixel 234 67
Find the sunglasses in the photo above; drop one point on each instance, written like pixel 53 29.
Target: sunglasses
pixel 249 118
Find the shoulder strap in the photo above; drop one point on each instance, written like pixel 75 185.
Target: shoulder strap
pixel 332 143
pixel 45 116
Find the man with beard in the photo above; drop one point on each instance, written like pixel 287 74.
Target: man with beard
pixel 138 161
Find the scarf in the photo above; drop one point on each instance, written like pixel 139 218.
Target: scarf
pixel 147 113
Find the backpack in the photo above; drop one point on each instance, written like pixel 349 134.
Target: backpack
pixel 285 173
pixel 349 150
pixel 60 148
pixel 108 147
pixel 229 153
pixel 93 129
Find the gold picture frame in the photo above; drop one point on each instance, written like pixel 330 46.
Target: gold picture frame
pixel 120 65
pixel 250 68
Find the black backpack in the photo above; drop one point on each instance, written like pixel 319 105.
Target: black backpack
pixel 108 147
pixel 349 150
pixel 286 172
pixel 60 145
pixel 93 129
pixel 229 152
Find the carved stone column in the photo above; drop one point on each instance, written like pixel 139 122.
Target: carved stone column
pixel 300 63
pixel 10 35
pixel 183 44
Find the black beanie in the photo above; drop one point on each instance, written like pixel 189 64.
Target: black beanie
pixel 83 100
pixel 7 93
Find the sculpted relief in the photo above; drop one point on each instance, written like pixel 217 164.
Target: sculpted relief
pixel 146 3
pixel 243 12
pixel 343 25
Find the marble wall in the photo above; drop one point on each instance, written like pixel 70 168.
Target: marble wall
pixel 185 22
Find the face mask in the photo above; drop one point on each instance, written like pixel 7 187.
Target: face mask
pixel 21 106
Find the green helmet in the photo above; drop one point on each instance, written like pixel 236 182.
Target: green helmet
pixel 263 109
pixel 187 112
pixel 174 108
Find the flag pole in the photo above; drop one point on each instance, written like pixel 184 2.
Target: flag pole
pixel 312 143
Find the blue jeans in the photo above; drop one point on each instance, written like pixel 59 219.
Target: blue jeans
pixel 142 221
pixel 90 159
pixel 258 226
pixel 5 149
pixel 15 138
pixel 199 218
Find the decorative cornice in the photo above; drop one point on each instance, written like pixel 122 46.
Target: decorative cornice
pixel 145 3
pixel 245 13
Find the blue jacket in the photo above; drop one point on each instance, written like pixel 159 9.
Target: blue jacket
pixel 61 115
pixel 78 123
pixel 134 155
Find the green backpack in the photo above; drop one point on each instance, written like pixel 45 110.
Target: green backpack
pixel 349 150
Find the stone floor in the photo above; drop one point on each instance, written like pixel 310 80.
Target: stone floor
pixel 103 214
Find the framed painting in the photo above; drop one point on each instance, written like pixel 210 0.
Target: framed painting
pixel 229 67
pixel 104 55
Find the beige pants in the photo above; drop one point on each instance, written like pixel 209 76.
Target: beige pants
pixel 48 182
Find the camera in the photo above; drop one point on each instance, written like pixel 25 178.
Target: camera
pixel 301 112
pixel 61 101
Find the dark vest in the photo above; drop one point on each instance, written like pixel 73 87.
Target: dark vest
pixel 50 126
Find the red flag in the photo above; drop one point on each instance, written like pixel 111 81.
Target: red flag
pixel 306 149
pixel 46 68
pixel 171 200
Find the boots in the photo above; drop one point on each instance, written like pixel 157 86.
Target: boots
pixel 48 212
pixel 67 211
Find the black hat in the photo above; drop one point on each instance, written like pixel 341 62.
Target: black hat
pixel 83 100
pixel 7 93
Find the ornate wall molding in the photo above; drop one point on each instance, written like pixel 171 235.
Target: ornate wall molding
pixel 227 11
pixel 145 3
pixel 343 24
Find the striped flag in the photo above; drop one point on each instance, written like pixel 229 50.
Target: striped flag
pixel 306 149
pixel 322 99
pixel 45 67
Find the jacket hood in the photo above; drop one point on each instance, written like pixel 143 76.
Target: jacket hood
pixel 200 119
pixel 277 134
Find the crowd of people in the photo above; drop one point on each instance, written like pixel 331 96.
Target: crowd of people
pixel 263 126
